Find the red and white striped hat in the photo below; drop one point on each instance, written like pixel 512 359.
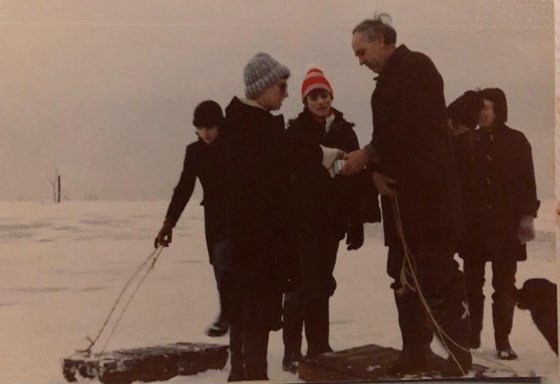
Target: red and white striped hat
pixel 314 79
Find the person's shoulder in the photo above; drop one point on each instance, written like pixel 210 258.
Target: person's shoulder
pixel 340 121
pixel 512 132
pixel 419 59
pixel 301 120
pixel 515 135
pixel 194 148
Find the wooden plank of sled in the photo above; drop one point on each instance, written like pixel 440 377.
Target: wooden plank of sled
pixel 156 363
pixel 369 363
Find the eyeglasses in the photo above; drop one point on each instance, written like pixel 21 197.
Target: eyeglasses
pixel 283 86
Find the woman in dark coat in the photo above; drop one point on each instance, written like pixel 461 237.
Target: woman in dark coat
pixel 500 203
pixel 204 160
pixel 325 208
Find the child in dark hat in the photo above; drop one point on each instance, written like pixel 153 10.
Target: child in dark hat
pixel 500 203
pixel 203 159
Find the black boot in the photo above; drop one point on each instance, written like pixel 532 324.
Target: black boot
pixel 317 326
pixel 292 331
pixel 476 308
pixel 416 335
pixel 255 349
pixel 451 311
pixel 237 372
pixel 502 314
pixel 221 326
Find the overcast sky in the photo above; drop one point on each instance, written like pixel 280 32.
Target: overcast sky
pixel 103 91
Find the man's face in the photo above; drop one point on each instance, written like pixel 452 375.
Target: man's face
pixel 487 115
pixel 319 102
pixel 272 98
pixel 369 53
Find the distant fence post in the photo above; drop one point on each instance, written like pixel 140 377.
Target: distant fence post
pixel 59 188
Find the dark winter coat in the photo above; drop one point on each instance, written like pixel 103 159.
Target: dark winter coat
pixel 258 154
pixel 498 188
pixel 205 162
pixel 322 203
pixel 413 146
pixel 324 208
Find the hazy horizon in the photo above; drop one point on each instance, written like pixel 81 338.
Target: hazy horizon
pixel 104 91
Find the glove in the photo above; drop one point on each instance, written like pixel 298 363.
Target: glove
pixel 526 231
pixel 355 236
pixel 164 236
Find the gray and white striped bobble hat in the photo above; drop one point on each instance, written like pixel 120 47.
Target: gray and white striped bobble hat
pixel 261 72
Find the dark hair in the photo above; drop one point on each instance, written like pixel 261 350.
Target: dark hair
pixel 498 99
pixel 208 114
pixel 465 110
pixel 376 28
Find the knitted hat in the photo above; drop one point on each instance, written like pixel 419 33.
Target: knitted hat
pixel 315 79
pixel 207 114
pixel 261 72
pixel 498 98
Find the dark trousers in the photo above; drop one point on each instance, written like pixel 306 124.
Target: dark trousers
pixel 222 264
pixel 443 286
pixel 308 305
pixel 503 298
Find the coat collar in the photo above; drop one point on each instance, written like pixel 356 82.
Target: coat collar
pixel 393 61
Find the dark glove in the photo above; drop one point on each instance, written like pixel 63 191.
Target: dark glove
pixel 355 236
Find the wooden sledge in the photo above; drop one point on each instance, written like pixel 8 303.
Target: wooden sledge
pixel 369 364
pixel 156 363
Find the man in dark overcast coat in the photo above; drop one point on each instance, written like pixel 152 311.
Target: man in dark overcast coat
pixel 413 167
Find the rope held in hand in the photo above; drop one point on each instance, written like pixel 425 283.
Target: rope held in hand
pixel 408 271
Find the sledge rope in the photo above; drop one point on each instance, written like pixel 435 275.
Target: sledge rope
pixel 153 257
pixel 409 269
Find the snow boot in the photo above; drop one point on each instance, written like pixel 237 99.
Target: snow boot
pixel 416 335
pixel 476 308
pixel 451 311
pixel 317 326
pixel 221 326
pixel 237 372
pixel 292 331
pixel 290 361
pixel 255 348
pixel 502 316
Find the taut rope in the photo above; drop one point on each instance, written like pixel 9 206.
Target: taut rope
pixel 153 257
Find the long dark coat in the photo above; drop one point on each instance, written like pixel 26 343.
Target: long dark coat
pixel 257 163
pixel 414 146
pixel 205 162
pixel 498 188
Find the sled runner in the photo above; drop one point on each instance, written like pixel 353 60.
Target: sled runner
pixel 369 363
pixel 147 364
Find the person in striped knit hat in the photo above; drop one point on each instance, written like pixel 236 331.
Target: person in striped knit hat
pixel 325 208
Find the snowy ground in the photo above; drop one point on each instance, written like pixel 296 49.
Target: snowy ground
pixel 62 267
